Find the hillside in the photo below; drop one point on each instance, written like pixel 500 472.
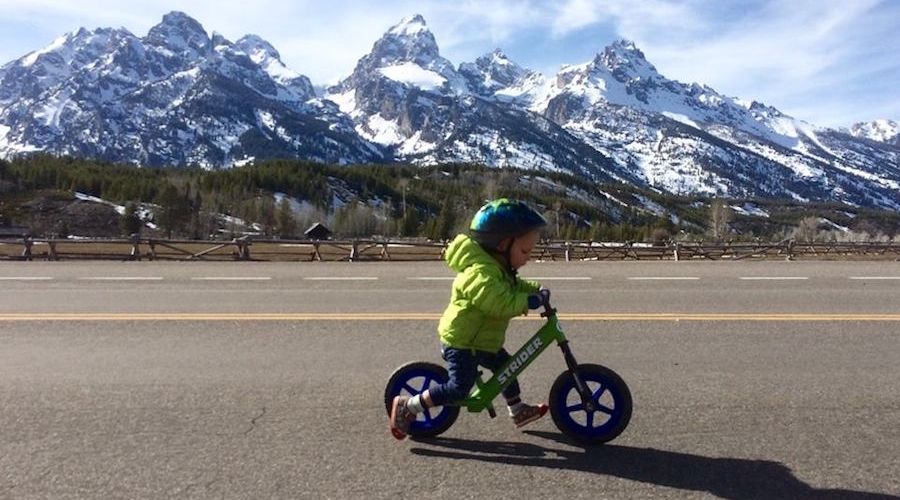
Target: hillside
pixel 281 198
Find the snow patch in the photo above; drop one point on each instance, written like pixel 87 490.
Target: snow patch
pixel 346 102
pixel 749 209
pixel 415 75
pixel 681 118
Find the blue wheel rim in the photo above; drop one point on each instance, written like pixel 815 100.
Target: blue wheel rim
pixel 594 423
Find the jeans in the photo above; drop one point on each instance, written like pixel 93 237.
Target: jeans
pixel 462 367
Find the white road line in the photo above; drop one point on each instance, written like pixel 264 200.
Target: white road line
pixel 121 278
pixel 663 278
pixel 774 278
pixel 26 278
pixel 231 278
pixel 536 278
pixel 559 278
pixel 341 278
pixel 885 278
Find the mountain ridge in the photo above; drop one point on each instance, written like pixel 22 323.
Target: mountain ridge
pixel 181 97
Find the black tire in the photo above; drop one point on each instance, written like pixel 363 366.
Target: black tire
pixel 611 396
pixel 411 379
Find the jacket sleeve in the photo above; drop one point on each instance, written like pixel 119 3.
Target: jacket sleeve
pixel 491 293
pixel 528 286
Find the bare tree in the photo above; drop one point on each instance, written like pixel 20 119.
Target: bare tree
pixel 720 215
pixel 807 229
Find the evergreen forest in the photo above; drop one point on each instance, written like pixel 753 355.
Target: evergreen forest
pixel 282 198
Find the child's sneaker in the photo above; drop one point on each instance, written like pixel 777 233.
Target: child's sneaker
pixel 401 417
pixel 529 413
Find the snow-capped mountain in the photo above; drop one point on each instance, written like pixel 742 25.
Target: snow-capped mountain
pixel 887 131
pixel 406 97
pixel 181 97
pixel 174 97
pixel 688 138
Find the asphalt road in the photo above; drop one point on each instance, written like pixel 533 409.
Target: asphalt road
pixel 751 380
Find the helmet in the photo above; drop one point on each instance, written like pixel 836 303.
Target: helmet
pixel 503 218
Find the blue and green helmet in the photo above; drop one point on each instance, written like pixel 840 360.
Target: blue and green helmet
pixel 503 218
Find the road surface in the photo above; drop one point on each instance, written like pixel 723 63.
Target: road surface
pixel 769 380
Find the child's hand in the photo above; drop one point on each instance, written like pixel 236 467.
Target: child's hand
pixel 536 300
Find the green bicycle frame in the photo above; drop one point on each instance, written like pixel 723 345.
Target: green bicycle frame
pixel 484 392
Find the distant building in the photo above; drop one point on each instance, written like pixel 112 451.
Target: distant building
pixel 318 232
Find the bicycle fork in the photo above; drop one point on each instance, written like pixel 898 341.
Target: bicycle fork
pixel 587 399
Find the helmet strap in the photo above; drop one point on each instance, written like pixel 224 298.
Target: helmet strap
pixel 512 271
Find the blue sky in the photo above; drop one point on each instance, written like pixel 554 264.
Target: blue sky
pixel 828 62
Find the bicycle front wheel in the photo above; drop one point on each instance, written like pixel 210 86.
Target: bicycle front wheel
pixel 411 379
pixel 611 400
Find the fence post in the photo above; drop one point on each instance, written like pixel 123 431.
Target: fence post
pixel 135 247
pixel 354 251
pixel 243 248
pixel 26 253
pixel 568 252
pixel 677 251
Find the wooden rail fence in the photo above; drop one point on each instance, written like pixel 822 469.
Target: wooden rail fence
pixel 355 250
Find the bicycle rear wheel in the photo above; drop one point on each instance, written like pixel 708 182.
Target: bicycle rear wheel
pixel 411 379
pixel 612 405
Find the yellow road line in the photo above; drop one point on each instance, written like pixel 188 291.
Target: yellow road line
pixel 18 317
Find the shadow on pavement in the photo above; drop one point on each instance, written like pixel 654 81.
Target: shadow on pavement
pixel 730 478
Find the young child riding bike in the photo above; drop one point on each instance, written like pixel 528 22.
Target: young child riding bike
pixel 486 294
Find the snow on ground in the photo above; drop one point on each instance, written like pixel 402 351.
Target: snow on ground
pixel 834 225
pixel 144 213
pixel 750 209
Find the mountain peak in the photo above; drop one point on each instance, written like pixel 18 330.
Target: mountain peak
pixel 178 32
pixel 625 61
pixel 626 46
pixel 409 26
pixel 257 48
pixel 407 53
pixel 408 41
pixel 497 56
pixel 887 131
pixel 494 75
pixel 494 71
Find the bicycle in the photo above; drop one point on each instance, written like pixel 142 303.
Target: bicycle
pixel 589 403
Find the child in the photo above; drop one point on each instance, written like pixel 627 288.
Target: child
pixel 486 294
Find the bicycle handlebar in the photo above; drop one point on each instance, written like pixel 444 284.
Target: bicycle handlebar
pixel 545 301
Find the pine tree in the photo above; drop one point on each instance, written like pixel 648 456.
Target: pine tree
pixel 173 211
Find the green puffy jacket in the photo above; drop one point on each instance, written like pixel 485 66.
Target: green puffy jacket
pixel 485 297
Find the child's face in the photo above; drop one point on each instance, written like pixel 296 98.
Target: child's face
pixel 520 253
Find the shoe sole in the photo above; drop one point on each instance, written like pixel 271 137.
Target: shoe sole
pixel 397 434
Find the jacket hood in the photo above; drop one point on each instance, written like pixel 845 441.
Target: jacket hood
pixel 463 252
